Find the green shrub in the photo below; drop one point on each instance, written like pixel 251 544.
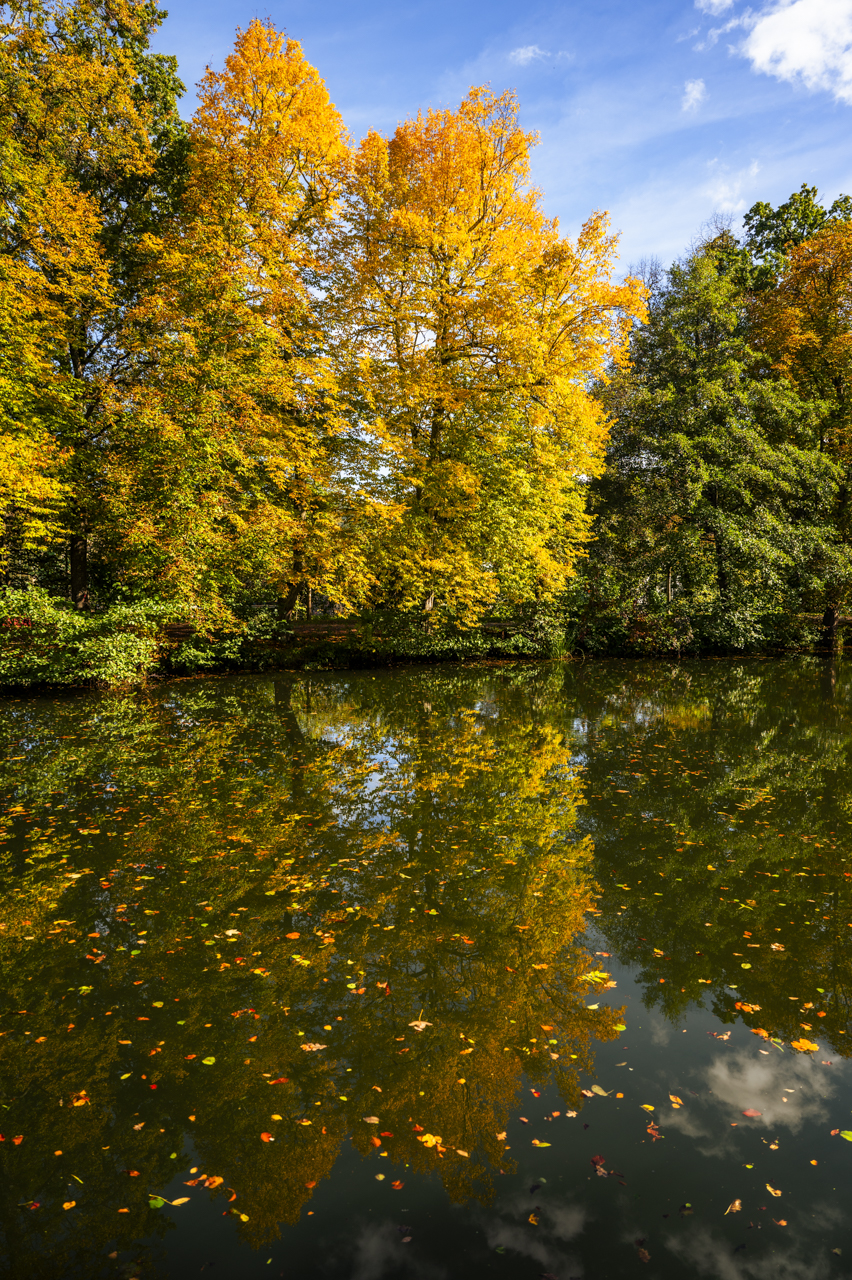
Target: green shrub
pixel 45 641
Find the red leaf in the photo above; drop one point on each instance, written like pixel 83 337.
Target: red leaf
pixel 751 1113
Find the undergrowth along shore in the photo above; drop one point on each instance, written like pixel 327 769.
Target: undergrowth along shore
pixel 44 642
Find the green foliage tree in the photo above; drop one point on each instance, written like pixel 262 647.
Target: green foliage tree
pixel 715 495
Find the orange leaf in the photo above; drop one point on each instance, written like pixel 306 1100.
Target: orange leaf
pixel 266 1137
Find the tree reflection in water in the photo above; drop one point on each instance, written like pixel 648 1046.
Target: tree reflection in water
pixel 203 882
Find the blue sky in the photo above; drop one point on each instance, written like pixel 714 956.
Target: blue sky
pixel 661 111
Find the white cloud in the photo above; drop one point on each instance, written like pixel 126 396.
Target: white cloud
pixel 694 92
pixel 707 1252
pixel 806 41
pixel 526 54
pixel 726 189
pixel 379 1251
pixel 713 6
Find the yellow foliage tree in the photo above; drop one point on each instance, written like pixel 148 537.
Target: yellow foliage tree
pixel 245 406
pixel 804 326
pixel 86 116
pixel 467 330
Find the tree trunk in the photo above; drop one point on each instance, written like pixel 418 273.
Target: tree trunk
pixel 79 570
pixel 287 603
pixel 830 637
pixel 669 586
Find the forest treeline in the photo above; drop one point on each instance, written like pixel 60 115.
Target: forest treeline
pixel 252 371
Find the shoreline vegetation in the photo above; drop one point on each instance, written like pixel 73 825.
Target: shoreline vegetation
pixel 271 396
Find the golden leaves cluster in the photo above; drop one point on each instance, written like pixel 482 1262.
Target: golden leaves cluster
pixel 362 368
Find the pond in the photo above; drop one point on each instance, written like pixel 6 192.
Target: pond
pixel 580 935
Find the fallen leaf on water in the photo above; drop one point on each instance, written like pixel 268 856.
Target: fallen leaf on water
pixel 419 1024
pixel 311 1048
pixel 397 1186
pixel 380 1177
pixel 772 1190
pixel 17 1141
pixel 780 1222
pixel 536 1143
pixel 644 1255
pixel 501 1137
pixel 293 936
pixel 181 1200
pixel 602 1093
pixel 208 1062
pixel 646 1106
pixel 845 1133
pixel 459 1152
pixel 430 1140
pixel 69 1204
pixel 533 1219
pixel 733 1207
pixel 140 1125
pixel 266 1137
pixel 751 1113
pixel 676 1101
pixel 804 1046
pixel 370 1119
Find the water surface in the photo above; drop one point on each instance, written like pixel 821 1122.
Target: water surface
pixel 430 973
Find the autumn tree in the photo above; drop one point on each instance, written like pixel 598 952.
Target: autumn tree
pixel 92 148
pixel 466 331
pixel 770 233
pixel 243 478
pixel 804 332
